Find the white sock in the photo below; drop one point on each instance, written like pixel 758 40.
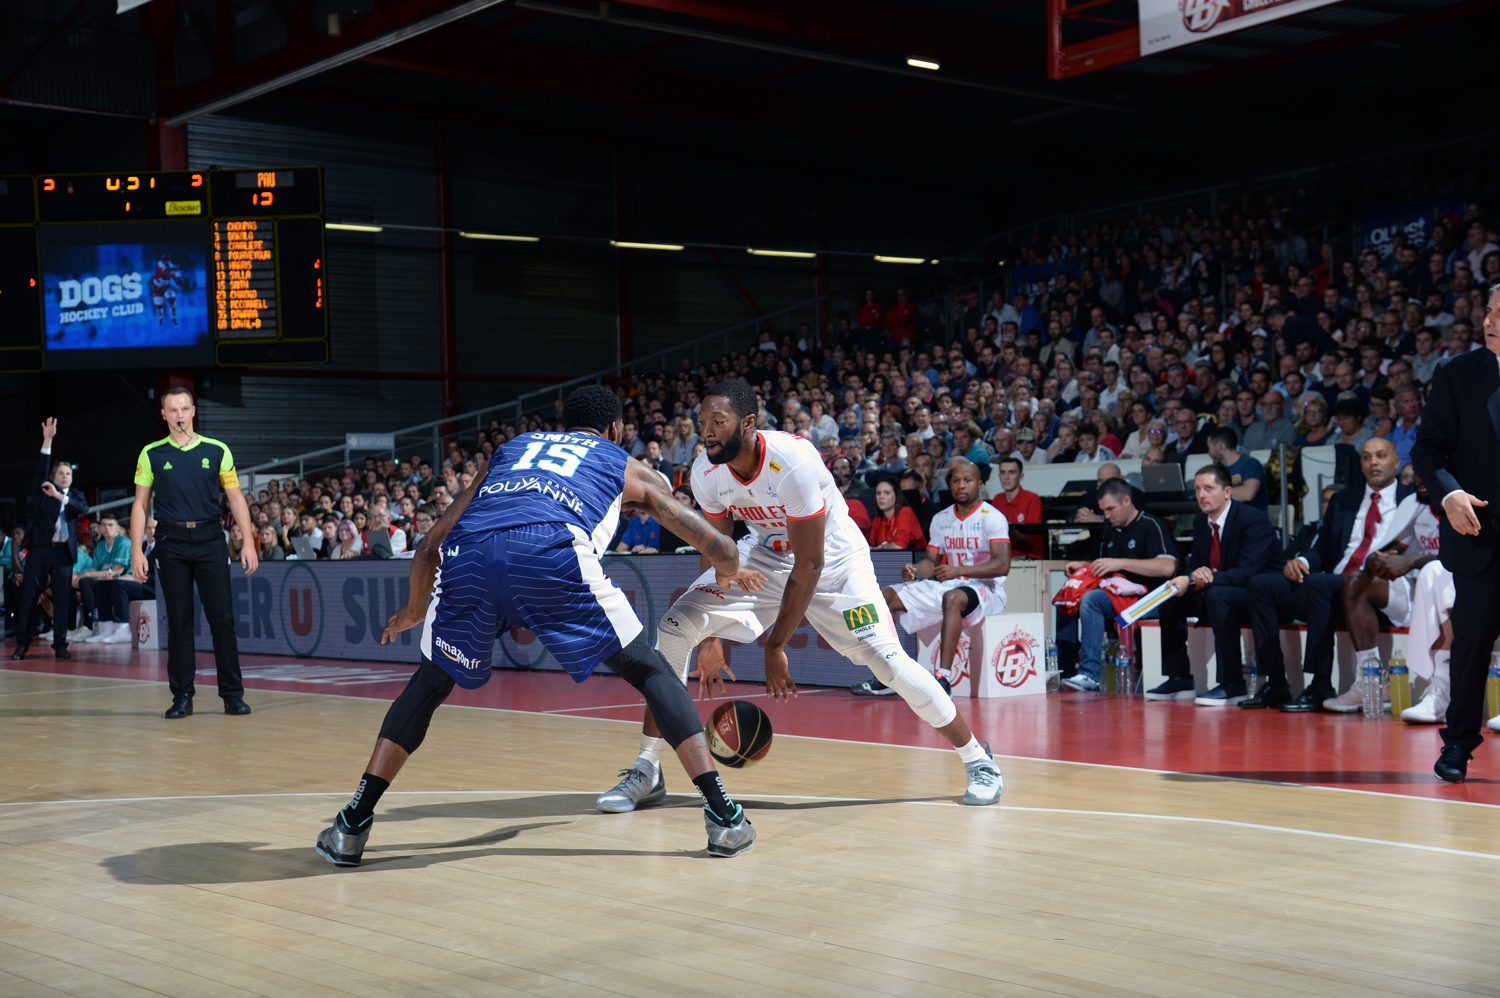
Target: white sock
pixel 972 752
pixel 651 750
pixel 1440 664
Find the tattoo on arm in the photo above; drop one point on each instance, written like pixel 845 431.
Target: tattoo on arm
pixel 689 525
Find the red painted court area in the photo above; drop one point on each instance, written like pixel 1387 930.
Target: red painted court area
pixel 1343 751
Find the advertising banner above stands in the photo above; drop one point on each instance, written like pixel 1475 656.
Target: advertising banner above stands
pixel 1034 278
pixel 1414 220
pixel 1170 24
pixel 337 609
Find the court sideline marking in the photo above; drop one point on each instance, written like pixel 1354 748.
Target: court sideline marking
pixel 817 738
pixel 1229 822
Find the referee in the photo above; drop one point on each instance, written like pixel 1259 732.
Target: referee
pixel 187 473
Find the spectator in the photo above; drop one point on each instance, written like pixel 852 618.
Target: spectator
pixel 642 535
pixel 1247 476
pixel 109 561
pixel 1317 423
pixel 1273 429
pixel 1403 432
pixel 1022 509
pixel 895 528
pixel 270 548
pixel 1189 441
pixel 1027 449
pixel 347 542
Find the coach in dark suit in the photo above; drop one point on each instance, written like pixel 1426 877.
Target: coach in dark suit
pixel 1309 586
pixel 1457 454
pixel 56 506
pixel 1232 543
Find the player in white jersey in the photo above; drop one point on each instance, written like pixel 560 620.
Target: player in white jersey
pixel 1402 571
pixel 816 564
pixel 962 579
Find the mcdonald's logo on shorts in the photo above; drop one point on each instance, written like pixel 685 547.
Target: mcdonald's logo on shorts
pixel 864 615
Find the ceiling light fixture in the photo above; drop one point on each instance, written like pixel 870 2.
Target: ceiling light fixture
pixel 792 254
pixel 499 238
pixel 916 63
pixel 900 259
pixel 351 227
pixel 622 244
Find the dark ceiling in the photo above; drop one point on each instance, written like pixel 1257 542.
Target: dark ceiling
pixel 799 88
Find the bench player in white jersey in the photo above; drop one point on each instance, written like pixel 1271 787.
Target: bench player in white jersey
pixel 1403 579
pixel 962 579
pixel 816 563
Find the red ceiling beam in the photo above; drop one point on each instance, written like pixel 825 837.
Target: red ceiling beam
pixel 389 24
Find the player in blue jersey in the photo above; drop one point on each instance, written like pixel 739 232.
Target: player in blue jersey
pixel 521 548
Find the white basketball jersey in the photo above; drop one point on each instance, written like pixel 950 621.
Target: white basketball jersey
pixel 1414 526
pixel 790 484
pixel 966 540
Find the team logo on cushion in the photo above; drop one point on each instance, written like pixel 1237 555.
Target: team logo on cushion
pixel 1014 660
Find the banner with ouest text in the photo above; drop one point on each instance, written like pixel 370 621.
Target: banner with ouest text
pixel 1170 24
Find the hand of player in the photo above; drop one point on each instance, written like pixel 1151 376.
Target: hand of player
pixel 49 490
pixel 1295 570
pixel 249 559
pixel 946 573
pixel 1390 566
pixel 909 572
pixel 138 567
pixel 1203 576
pixel 49 430
pixel 779 685
pixel 403 619
pixel 746 578
pixel 1460 509
pixel 712 666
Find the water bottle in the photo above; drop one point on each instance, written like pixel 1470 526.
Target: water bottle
pixel 1400 686
pixel 1124 673
pixel 1053 671
pixel 1492 687
pixel 1251 679
pixel 1107 670
pixel 1370 687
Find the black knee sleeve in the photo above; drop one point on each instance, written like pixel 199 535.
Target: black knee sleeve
pixel 406 722
pixel 643 667
pixel 971 599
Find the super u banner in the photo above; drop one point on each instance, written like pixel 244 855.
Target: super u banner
pixel 1169 24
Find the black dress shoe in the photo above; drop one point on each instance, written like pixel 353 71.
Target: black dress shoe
pixel 181 707
pixel 1269 696
pixel 18 654
pixel 61 653
pixel 236 705
pixel 1452 765
pixel 1310 702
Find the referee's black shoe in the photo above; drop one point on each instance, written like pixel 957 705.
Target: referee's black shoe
pixel 181 707
pixel 236 706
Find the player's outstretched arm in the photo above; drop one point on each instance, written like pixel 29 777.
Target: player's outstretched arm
pixel 643 488
pixel 424 566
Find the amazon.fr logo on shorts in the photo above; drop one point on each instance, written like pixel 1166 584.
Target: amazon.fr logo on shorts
pixel 453 653
pixel 864 615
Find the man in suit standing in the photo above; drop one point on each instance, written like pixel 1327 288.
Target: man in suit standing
pixel 1309 587
pixel 56 506
pixel 1232 543
pixel 1457 454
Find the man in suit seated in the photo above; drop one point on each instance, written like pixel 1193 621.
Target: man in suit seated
pixel 1232 543
pixel 1309 586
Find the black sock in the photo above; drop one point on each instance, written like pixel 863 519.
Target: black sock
pixel 358 812
pixel 715 797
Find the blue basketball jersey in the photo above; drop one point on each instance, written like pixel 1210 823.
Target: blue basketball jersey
pixel 569 478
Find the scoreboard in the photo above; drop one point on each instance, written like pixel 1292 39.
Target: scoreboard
pixel 157 268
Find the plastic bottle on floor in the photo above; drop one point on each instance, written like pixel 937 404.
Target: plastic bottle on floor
pixel 1369 680
pixel 1251 679
pixel 1492 687
pixel 1053 671
pixel 1400 686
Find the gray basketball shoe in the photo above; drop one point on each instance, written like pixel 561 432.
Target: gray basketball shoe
pixel 985 782
pixel 641 787
pixel 341 845
pixel 729 840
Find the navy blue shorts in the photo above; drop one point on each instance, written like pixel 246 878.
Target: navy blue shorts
pixel 546 578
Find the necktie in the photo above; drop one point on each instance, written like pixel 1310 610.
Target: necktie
pixel 1213 550
pixel 1372 523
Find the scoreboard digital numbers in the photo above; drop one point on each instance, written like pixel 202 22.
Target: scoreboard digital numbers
pixel 180 267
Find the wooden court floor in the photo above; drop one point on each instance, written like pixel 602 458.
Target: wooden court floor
pixel 141 857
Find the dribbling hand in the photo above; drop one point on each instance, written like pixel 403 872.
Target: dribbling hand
pixel 779 685
pixel 403 619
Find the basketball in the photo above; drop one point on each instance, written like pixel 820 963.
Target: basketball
pixel 739 734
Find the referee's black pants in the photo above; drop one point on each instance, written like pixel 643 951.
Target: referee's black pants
pixel 185 557
pixel 44 561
